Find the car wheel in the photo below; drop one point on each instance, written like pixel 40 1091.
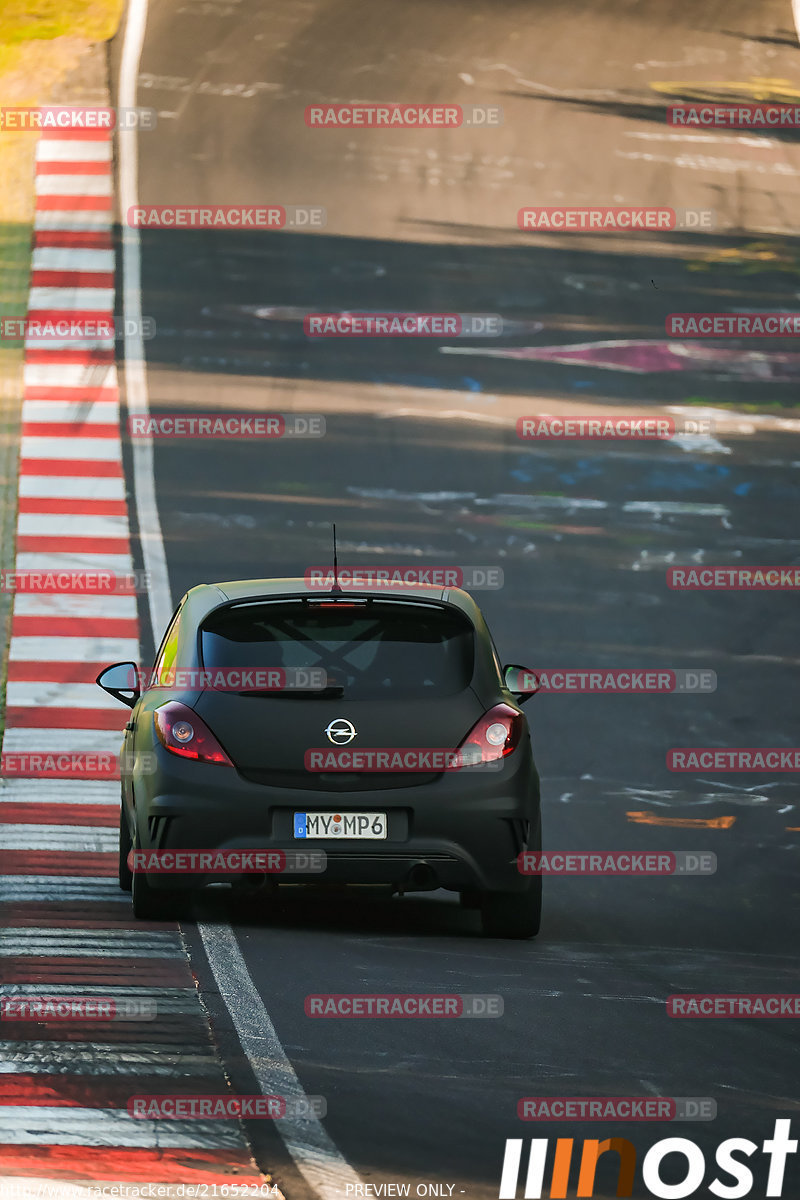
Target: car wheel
pixel 125 847
pixel 513 914
pixel 149 903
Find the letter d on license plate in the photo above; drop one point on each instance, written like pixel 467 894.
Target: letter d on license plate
pixel 369 826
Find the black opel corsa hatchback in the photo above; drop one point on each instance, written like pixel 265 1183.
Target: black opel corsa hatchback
pixel 372 731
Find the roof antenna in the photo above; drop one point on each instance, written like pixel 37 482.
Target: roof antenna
pixel 336 589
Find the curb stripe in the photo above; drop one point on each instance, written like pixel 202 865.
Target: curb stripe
pixel 66 924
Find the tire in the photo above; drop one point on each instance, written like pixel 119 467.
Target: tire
pixel 149 903
pixel 513 914
pixel 125 847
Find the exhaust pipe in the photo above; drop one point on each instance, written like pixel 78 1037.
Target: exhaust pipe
pixel 420 877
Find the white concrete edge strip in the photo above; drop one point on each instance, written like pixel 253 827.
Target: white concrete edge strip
pixel 317 1157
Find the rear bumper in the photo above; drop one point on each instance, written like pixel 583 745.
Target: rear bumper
pixel 461 831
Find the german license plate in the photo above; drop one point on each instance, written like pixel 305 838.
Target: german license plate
pixel 362 826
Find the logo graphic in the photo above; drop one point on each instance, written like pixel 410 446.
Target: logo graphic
pixel 340 732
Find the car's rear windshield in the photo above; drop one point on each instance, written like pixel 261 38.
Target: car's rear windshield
pixel 379 649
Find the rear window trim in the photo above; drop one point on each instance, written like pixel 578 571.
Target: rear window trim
pixel 443 607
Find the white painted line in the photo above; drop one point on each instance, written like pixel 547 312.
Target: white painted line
pixel 73 150
pixel 73 561
pixel 71 525
pixel 76 943
pixel 94 412
pixel 93 343
pixel 102 1058
pixel 99 449
pixel 72 299
pixel 71 487
pixel 71 258
pixel 29 1125
pixel 66 741
pixel 72 220
pixel 70 375
pixel 63 604
pixel 317 1157
pixel 149 523
pixel 76 839
pixel 73 649
pixel 676 507
pixel 73 185
pixel 47 694
pixel 62 889
pixel 57 791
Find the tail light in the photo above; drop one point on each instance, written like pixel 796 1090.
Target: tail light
pixel 495 735
pixel 182 732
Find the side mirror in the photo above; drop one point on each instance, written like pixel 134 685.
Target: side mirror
pixel 521 682
pixel 121 680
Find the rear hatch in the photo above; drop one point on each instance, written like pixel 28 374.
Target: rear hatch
pixel 398 671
